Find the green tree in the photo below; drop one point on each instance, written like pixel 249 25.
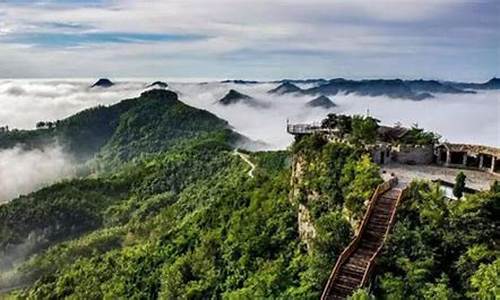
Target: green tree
pixel 359 179
pixel 364 129
pixel 458 189
pixel 361 294
pixel 486 281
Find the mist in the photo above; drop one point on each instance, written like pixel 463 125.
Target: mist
pixel 22 172
pixel 25 102
pixel 459 118
pixel 464 118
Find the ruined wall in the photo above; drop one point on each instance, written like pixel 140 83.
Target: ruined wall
pixel 413 154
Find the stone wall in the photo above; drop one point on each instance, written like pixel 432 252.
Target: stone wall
pixel 413 154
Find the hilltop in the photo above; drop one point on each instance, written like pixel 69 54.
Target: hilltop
pixel 235 97
pixel 152 122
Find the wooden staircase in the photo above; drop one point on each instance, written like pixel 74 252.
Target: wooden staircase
pixel 355 263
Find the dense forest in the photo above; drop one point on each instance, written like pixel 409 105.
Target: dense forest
pixel 165 209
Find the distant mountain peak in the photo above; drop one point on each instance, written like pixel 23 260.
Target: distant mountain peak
pixel 240 81
pixel 285 88
pixel 494 80
pixel 234 97
pixel 159 84
pixel 103 82
pixel 321 101
pixel 159 93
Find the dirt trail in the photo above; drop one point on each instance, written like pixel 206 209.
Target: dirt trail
pixel 246 159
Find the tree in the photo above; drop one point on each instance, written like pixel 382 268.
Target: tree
pixel 360 178
pixel 458 189
pixel 486 281
pixel 342 123
pixel 364 129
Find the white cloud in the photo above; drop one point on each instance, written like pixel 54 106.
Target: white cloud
pixel 22 171
pixel 342 32
pixel 25 102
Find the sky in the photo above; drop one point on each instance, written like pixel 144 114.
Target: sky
pixel 258 39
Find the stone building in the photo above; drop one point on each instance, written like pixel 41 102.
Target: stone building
pixel 479 157
pixel 388 149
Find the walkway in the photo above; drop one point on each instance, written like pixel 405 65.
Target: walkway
pixel 406 173
pixel 246 159
pixel 354 265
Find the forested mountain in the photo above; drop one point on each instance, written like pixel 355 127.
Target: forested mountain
pixel 167 210
pixel 122 131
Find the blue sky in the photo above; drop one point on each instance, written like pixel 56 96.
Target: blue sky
pixel 436 39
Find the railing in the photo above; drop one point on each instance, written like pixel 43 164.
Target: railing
pixel 307 128
pixel 381 188
pixel 392 219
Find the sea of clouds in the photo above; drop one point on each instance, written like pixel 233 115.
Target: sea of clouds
pixel 458 118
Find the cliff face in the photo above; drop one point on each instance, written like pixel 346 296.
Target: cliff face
pixel 330 183
pixel 300 196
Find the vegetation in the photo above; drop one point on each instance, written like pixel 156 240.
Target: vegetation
pixel 167 211
pixel 441 248
pixel 119 133
pixel 364 130
pixel 418 136
pixel 459 187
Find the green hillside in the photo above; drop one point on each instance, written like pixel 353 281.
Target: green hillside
pixel 167 210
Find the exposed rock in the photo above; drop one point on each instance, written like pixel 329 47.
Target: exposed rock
pixel 307 231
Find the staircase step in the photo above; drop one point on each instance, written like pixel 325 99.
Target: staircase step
pixel 346 281
pixel 350 274
pixel 355 268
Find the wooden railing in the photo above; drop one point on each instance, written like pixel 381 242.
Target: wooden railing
pixel 392 219
pixel 381 188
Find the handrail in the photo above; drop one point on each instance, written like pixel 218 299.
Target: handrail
pixel 381 188
pixel 386 234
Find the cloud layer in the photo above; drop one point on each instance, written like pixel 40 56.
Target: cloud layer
pixel 22 172
pixel 250 39
pixel 467 118
pixel 472 118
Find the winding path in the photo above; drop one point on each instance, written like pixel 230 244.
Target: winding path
pixel 245 158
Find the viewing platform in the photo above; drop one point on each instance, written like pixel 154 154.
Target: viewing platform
pixel 301 129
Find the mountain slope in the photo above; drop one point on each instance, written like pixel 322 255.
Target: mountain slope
pixel 391 88
pixel 394 88
pixel 154 121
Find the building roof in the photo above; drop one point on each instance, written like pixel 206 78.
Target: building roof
pixel 392 133
pixel 472 149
